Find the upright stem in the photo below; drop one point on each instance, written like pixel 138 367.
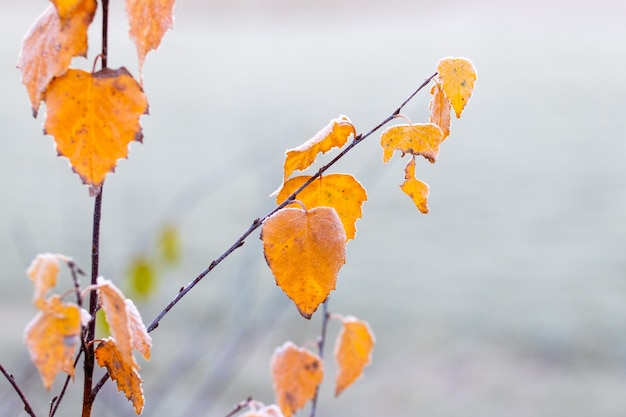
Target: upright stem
pixel 89 361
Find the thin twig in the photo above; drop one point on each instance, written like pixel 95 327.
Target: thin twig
pixel 75 270
pixel 56 401
pixel 320 351
pixel 11 380
pixel 259 221
pixel 89 361
pixel 240 406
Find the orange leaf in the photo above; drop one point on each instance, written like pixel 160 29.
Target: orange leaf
pixel 440 109
pixel 50 45
pixel 457 77
pixel 296 373
pixel 352 351
pixel 113 303
pixel 51 338
pixel 418 139
pixel 339 191
pixel 65 8
pixel 122 372
pixel 414 188
pixel 335 134
pixel 43 271
pixel 149 20
pixel 124 321
pixel 93 118
pixel 305 250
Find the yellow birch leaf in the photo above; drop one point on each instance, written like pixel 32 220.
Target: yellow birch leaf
pixel 51 338
pixel 142 277
pixel 141 340
pixel 93 118
pixel 169 244
pixel 353 351
pixel 113 303
pixel 122 372
pixel 414 188
pixel 43 271
pixel 457 77
pixel 50 45
pixel 305 250
pixel 335 134
pixel 417 139
pixel 296 373
pixel 440 109
pixel 149 20
pixel 339 191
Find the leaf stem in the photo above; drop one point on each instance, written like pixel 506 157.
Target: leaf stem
pixel 11 380
pixel 320 349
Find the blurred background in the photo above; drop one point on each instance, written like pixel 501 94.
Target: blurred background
pixel 509 298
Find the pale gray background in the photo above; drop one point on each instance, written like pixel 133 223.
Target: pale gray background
pixel 508 299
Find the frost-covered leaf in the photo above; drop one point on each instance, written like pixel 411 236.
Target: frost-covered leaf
pixel 305 250
pixel 457 76
pixel 417 139
pixel 122 372
pixel 353 351
pixel 339 191
pixel 296 373
pixel 335 134
pixel 414 188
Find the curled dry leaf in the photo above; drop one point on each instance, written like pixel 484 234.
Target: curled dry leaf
pixel 417 139
pixel 457 76
pixel 51 43
pixel 43 271
pixel 149 20
pixel 339 191
pixel 414 188
pixel 296 373
pixel 122 372
pixel 440 109
pixel 93 118
pixel 353 351
pixel 124 322
pixel 305 250
pixel 334 135
pixel 51 338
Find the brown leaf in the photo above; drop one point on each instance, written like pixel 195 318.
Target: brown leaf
pixel 50 45
pixel 93 118
pixel 305 250
pixel 122 372
pixel 296 373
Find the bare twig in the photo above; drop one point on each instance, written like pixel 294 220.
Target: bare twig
pixel 11 380
pixel 258 222
pixel 240 406
pixel 321 341
pixel 89 361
